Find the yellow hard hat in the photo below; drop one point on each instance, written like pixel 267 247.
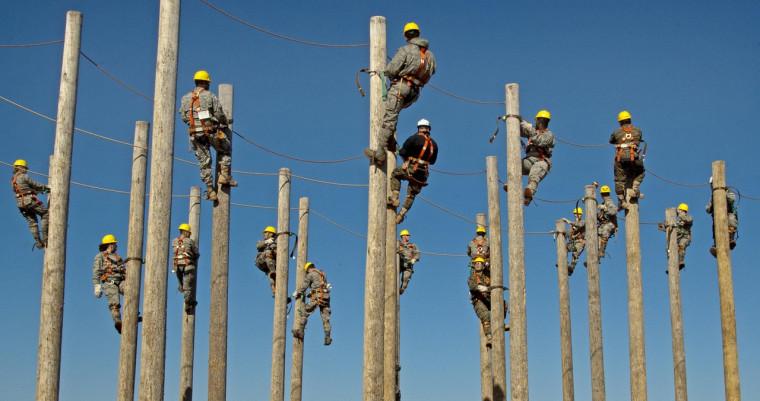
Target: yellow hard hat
pixel 19 163
pixel 202 75
pixel 480 229
pixel 478 259
pixel 307 265
pixel 184 227
pixel 605 189
pixel 108 239
pixel 404 232
pixel 544 114
pixel 411 26
pixel 624 115
pixel 578 211
pixel 683 207
pixel 270 229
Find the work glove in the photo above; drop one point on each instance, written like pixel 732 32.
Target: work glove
pixel 482 288
pixel 296 295
pixel 98 291
pixel 329 287
pixel 413 261
pixel 269 241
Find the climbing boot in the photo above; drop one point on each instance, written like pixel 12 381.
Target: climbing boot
pixel 602 248
pixel 117 326
pixel 570 269
pixel 39 244
pixel 190 306
pixel 376 157
pixel 401 214
pixel 487 332
pixel 714 251
pixel 211 193
pixel 328 339
pixel 298 333
pixel 393 199
pixel 505 187
pixel 506 326
pixel 528 196
pixel 225 177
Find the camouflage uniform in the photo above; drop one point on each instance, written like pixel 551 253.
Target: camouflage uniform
pixel 319 296
pixel 683 234
pixel 629 164
pixel 607 223
pixel 576 242
pixel 266 259
pixel 538 153
pixel 185 264
pixel 408 256
pixel 733 219
pixel 479 247
pixel 109 272
pixel 26 190
pixel 479 284
pixel 408 74
pixel 207 124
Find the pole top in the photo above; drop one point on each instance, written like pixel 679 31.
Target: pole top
pixel 560 226
pixel 378 19
pixel 284 171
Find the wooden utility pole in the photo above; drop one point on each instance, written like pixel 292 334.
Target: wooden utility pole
pixel 390 332
pixel 518 336
pixel 280 319
pixel 486 366
pixel 186 362
pixel 220 259
pixel 725 282
pixel 153 351
pixel 676 322
pixel 565 328
pixel 296 370
pixel 374 280
pixel 498 347
pixel 54 269
pixel 596 347
pixel 128 346
pixel 636 349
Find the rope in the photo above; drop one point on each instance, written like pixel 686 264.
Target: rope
pixel 555 200
pixel 36 44
pixel 279 35
pixel 286 156
pixel 115 79
pixel 445 210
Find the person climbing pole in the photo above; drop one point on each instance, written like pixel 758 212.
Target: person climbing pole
pixel 108 276
pixel 208 127
pixel 606 219
pixel 266 259
pixel 576 242
pixel 733 219
pixel 538 153
pixel 319 297
pixel 185 265
pixel 684 222
pixel 409 70
pixel 26 190
pixel 629 160
pixel 409 255
pixel 419 152
pixel 479 246
pixel 479 284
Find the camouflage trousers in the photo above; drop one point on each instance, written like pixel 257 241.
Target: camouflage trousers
pixel 112 289
pixel 683 242
pixel 267 264
pixel 30 212
pixel 482 307
pixel 406 276
pixel 605 232
pixel 186 276
pixel 400 96
pixel 536 169
pixel 628 175
pixel 306 309
pixel 576 246
pixel 201 145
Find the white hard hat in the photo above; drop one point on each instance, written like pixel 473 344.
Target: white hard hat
pixel 423 123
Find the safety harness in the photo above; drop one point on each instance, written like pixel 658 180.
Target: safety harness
pixel 420 77
pixel 206 124
pixel 627 151
pixel 180 259
pixel 111 269
pixel 421 162
pixel 480 245
pixel 20 193
pixel 318 294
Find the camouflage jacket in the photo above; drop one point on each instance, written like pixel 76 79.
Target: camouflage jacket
pixel 316 282
pixel 108 267
pixel 184 251
pixel 409 252
pixel 479 246
pixel 406 62
pixel 683 224
pixel 606 212
pixel 577 231
pixel 476 279
pixel 26 189
pixel 203 115
pixel 540 143
pixel 267 247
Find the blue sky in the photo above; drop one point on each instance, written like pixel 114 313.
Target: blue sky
pixel 687 71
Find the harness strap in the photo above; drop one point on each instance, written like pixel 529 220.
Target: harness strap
pixel 419 159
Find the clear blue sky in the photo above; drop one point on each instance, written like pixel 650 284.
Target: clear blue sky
pixel 686 70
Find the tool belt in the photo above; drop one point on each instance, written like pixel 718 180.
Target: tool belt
pixel 626 152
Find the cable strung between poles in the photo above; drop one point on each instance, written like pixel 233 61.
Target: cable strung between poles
pixel 115 78
pixel 35 44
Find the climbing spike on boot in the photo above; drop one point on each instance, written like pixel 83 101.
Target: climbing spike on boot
pixel 211 194
pixel 528 195
pixel 117 326
pixel 376 157
pixel 328 339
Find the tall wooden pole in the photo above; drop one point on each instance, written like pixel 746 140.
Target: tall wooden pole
pixel 296 370
pixel 280 318
pixel 676 322
pixel 374 280
pixel 153 351
pixel 565 328
pixel 486 366
pixel 498 347
pixel 725 282
pixel 636 349
pixel 518 336
pixel 54 270
pixel 596 341
pixel 186 362
pixel 220 259
pixel 390 333
pixel 128 346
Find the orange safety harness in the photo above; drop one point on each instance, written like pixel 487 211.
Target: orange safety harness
pixel 195 108
pixel 318 294
pixel 177 257
pixel 419 78
pixel 110 268
pixel 20 194
pixel 480 246
pixel 422 161
pixel 629 147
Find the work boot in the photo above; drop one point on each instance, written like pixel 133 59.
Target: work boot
pixel 570 269
pixel 602 248
pixel 376 157
pixel 190 307
pixel 506 326
pixel 117 326
pixel 328 339
pixel 393 199
pixel 225 177
pixel 528 195
pixel 401 290
pixel 714 251
pixel 211 193
pixel 487 332
pixel 298 333
pixel 732 244
pixel 401 214
pixel 39 244
pixel 505 187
